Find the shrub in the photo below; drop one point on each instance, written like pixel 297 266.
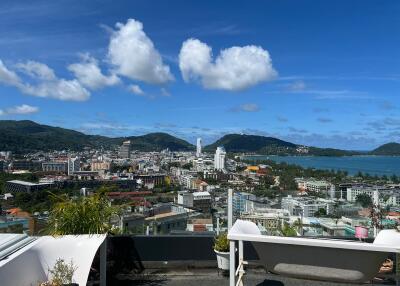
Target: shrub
pixel 221 243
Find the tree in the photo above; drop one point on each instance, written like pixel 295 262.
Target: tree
pixel 84 215
pixel 364 200
pixel 320 212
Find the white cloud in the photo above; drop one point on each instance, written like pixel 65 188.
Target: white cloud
pixel 298 85
pixel 165 92
pixel 20 109
pixel 136 89
pixel 250 107
pixel 44 83
pixel 7 76
pixel 37 70
pixel 247 107
pixel 133 54
pixel 235 68
pixel 59 89
pixel 89 73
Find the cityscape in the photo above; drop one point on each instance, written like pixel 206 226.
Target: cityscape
pixel 134 151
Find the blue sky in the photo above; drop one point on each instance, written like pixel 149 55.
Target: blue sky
pixel 321 73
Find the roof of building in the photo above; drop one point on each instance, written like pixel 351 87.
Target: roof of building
pixel 200 194
pixel 24 183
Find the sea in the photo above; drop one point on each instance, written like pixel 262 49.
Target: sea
pixel 373 165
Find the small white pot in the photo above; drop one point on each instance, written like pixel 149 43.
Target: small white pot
pixel 222 260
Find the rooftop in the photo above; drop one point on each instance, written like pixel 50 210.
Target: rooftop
pixel 211 277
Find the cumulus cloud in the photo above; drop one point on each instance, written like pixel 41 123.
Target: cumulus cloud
pixel 7 76
pixel 235 68
pixel 37 70
pixel 19 109
pixel 136 89
pixel 247 107
pixel 58 89
pixel 89 73
pixel 133 54
pixel 44 82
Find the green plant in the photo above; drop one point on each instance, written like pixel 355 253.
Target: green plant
pixel 84 215
pixel 287 230
pixel 62 272
pixel 221 243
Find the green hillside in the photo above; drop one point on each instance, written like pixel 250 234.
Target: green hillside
pixel 27 136
pixel 389 149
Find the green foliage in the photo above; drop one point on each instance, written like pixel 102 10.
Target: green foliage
pixel 247 143
pixel 39 201
pixel 84 215
pixel 389 149
pixel 221 243
pixel 62 272
pixel 320 212
pixel 364 200
pixel 287 230
pixel 187 166
pixel 4 177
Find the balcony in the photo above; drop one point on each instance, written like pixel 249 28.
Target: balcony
pixel 186 260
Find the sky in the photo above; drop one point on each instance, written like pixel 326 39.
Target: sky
pixel 318 73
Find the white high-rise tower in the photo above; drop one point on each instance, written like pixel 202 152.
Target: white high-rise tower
pixel 198 147
pixel 219 158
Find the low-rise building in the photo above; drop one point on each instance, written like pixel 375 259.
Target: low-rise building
pixel 306 206
pixel 16 186
pixel 202 201
pixel 58 167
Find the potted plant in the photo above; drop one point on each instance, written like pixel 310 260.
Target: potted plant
pixel 61 274
pixel 221 248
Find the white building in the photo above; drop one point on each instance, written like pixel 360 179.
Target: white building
pixel 306 206
pixel 219 158
pixel 198 147
pixel 379 195
pixel 185 199
pixel 74 165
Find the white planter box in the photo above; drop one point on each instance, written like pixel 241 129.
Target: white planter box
pixel 222 260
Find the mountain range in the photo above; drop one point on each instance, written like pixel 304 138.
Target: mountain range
pixel 27 136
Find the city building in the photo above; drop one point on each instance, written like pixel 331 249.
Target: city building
pixel 306 206
pixel 270 220
pixel 219 158
pixel 100 166
pixel 202 201
pixel 379 194
pixel 125 150
pixel 198 147
pixel 25 165
pixel 74 165
pixel 59 167
pixel 240 201
pixel 318 186
pixel 185 199
pixel 16 186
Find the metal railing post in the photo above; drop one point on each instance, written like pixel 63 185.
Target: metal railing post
pixel 231 263
pixel 103 263
pixel 230 209
pixel 231 243
pixel 241 262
